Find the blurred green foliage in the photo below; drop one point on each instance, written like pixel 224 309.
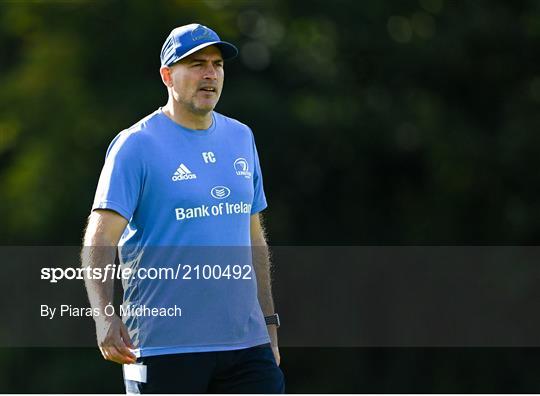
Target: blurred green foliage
pixel 376 122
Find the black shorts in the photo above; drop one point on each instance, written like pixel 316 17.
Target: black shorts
pixel 251 370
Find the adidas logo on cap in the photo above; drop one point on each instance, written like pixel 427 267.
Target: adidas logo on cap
pixel 183 173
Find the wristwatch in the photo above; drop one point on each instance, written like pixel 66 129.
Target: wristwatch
pixel 272 320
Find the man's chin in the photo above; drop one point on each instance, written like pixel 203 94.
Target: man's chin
pixel 204 109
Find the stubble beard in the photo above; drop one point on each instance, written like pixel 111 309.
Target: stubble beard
pixel 192 107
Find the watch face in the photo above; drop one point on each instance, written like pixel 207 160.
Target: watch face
pixel 272 320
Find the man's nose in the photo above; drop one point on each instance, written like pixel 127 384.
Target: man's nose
pixel 210 72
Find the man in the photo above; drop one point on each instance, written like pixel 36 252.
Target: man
pixel 181 190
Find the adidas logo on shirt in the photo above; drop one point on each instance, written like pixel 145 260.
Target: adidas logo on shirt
pixel 183 173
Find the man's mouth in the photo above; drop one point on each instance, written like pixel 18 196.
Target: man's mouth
pixel 208 89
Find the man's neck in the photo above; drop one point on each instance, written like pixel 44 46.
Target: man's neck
pixel 186 118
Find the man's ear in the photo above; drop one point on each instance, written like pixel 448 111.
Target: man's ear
pixel 166 76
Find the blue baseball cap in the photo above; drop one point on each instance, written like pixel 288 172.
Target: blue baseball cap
pixel 187 39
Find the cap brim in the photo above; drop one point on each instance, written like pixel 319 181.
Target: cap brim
pixel 228 51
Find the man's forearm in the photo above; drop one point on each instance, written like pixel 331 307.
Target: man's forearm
pixel 261 263
pixel 100 293
pixel 99 249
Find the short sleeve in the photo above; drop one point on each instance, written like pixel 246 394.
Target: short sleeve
pixel 259 199
pixel 120 182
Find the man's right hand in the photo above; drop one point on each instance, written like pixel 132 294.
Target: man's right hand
pixel 114 341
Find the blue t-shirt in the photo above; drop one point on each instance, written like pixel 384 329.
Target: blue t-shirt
pixel 188 196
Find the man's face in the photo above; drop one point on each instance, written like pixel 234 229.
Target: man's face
pixel 198 80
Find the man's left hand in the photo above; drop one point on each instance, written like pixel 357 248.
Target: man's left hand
pixel 275 349
pixel 272 332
